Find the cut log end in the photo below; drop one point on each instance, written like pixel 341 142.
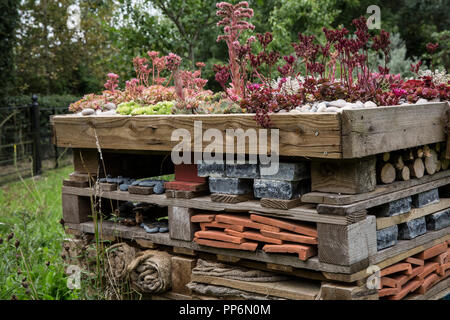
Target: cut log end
pixel 416 168
pixel 387 173
pixel 431 162
pixel 403 174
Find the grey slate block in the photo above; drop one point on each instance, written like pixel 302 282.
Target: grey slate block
pixel 277 189
pixel 245 171
pixel 387 237
pixel 393 208
pixel 211 170
pixel 412 229
pixel 438 220
pixel 294 171
pixel 425 198
pixel 230 185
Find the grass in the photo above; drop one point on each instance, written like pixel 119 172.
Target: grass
pixel 31 266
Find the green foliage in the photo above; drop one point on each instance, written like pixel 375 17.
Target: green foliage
pixel 135 109
pixel 32 210
pixel 8 21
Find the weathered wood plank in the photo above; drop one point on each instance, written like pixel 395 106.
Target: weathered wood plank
pixel 313 135
pixel 377 130
pixel 305 212
pixel 76 209
pixel 290 289
pixel 181 274
pixel 373 202
pixel 180 225
pixel 344 176
pixel 341 199
pixel 386 222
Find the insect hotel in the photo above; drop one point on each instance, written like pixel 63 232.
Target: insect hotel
pixel 359 208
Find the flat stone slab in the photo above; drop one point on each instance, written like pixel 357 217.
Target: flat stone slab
pixel 248 171
pixel 438 220
pixel 412 229
pixel 277 189
pixel 393 208
pixel 295 171
pixel 387 237
pixel 230 185
pixel 425 198
pixel 216 170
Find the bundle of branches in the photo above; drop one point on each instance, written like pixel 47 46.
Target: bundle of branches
pixel 150 271
pixel 119 256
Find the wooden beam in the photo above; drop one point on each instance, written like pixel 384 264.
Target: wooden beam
pixel 180 225
pixel 76 209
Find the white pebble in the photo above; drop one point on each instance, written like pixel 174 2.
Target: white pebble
pixel 110 106
pixel 359 105
pixel 349 106
pixel 422 101
pixel 108 113
pixel 321 107
pixel 338 103
pixel 333 109
pixel 87 112
pixel 370 104
pixel 295 111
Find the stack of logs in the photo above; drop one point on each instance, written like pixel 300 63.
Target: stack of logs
pixel 411 163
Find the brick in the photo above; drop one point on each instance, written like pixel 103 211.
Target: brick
pixel 230 185
pixel 216 170
pixel 219 236
pixel 290 226
pixel 248 246
pixel 293 171
pixel 442 269
pixel 438 220
pixel 415 261
pixel 276 189
pixel 389 282
pixel 442 258
pixel 247 170
pixel 401 279
pixel 397 268
pixel 388 292
pixel 252 235
pixel 203 218
pixel 428 282
pixel 412 229
pixel 188 173
pixel 387 237
pixel 217 225
pixel 411 286
pixel 428 268
pixel 244 221
pixel 292 237
pixel 393 208
pixel 433 251
pixel 186 186
pixel 425 198
pixel 304 252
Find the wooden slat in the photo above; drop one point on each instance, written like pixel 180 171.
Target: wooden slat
pixel 371 131
pixel 386 222
pixel 341 199
pixel 305 212
pixel 376 201
pixel 312 135
pixel 290 289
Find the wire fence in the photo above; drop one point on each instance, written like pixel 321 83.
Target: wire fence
pixel 26 140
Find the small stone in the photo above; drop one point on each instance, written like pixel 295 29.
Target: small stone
pixel 110 106
pixel 230 185
pixel 333 109
pixel 337 103
pixel 349 106
pixel 370 104
pixel 98 112
pixel 313 109
pixel 387 237
pixel 321 107
pixel 123 187
pixel 87 112
pixel 393 208
pixel 412 229
pixel 358 104
pixel 422 101
pixel 108 113
pixel 276 189
pixel 295 111
pixel 438 220
pixel 158 188
pixel 425 198
pixel 205 169
pixel 436 100
pixel 147 183
pixel 250 171
pixel 282 111
pixel 295 171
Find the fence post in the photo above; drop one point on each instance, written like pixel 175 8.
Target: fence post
pixel 35 125
pixel 55 148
